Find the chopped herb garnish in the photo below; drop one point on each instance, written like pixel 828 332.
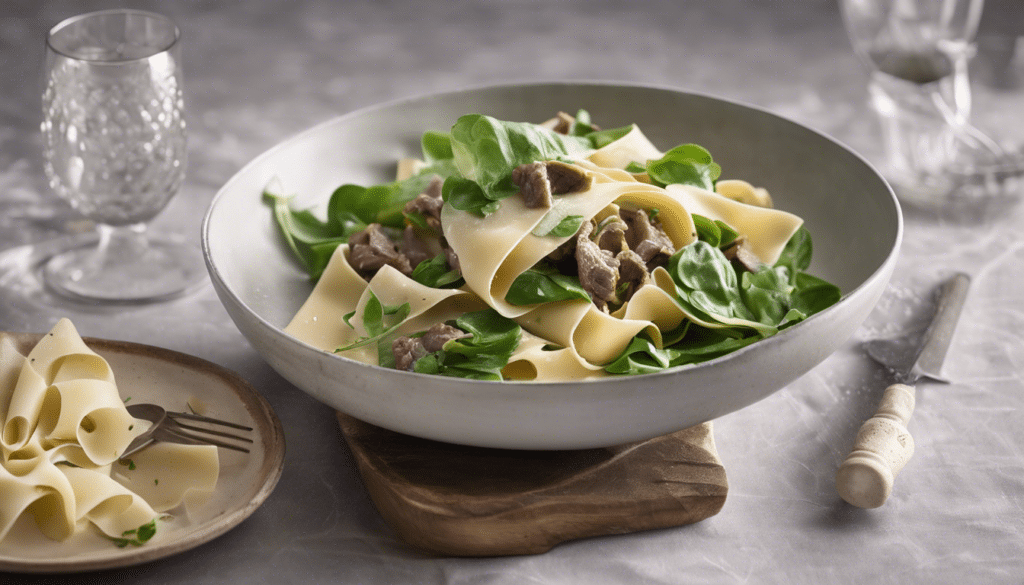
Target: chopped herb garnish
pixel 128 463
pixel 137 536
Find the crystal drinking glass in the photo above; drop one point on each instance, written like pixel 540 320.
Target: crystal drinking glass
pixel 114 147
pixel 918 52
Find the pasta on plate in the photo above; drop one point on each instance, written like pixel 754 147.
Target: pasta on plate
pixel 549 252
pixel 64 426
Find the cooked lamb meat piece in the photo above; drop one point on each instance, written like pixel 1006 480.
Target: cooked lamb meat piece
pixel 562 123
pixel 598 269
pixel 632 270
pixel 538 181
pixel 406 351
pixel 532 180
pixel 370 249
pixel 739 252
pixel 565 178
pixel 655 253
pixel 428 203
pixel 646 238
pixel 611 235
pixel 440 334
pixel 566 250
pixel 414 248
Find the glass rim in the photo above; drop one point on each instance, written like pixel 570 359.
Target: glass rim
pixel 125 11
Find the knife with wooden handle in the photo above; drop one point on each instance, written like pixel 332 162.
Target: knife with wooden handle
pixel 883 445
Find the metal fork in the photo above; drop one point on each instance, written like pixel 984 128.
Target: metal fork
pixel 168 428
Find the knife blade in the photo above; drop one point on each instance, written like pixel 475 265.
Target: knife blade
pixel 883 444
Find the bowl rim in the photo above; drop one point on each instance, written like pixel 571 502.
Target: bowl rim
pixel 780 337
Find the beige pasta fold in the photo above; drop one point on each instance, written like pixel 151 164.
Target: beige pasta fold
pixel 561 340
pixel 494 250
pixel 767 230
pixel 320 320
pixel 533 360
pixel 341 292
pixel 64 427
pixel 633 147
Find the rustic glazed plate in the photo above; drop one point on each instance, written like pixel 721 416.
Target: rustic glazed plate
pixel 850 211
pixel 177 381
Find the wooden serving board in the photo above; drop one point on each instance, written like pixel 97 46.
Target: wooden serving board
pixel 468 501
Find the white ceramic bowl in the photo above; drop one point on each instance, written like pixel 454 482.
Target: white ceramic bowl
pixel 850 211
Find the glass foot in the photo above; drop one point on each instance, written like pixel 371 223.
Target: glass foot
pixel 127 267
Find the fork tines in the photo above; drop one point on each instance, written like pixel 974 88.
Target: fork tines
pixel 181 430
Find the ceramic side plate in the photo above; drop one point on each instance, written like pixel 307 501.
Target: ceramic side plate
pixel 175 381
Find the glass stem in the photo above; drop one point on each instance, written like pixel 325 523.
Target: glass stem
pixel 121 244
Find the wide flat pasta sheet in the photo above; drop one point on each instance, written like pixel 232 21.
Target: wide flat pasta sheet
pixel 64 427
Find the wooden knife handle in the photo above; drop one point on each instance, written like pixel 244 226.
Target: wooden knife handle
pixel 882 448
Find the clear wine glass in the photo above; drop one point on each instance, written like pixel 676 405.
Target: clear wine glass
pixel 918 53
pixel 114 146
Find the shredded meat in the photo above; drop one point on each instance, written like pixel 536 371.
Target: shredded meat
pixel 428 204
pixel 377 246
pixel 611 235
pixel 563 122
pixel 646 238
pixel 538 181
pixel 371 249
pixel 532 180
pixel 632 271
pixel 440 334
pixel 414 248
pixel 598 269
pixel 739 252
pixel 565 178
pixel 406 350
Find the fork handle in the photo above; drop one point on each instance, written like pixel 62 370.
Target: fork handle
pixel 883 446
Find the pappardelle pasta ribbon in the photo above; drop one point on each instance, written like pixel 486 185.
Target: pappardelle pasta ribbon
pixel 64 426
pixel 601 253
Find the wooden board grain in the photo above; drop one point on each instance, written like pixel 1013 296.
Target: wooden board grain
pixel 468 501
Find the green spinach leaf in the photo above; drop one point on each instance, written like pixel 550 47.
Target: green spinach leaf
pixel 486 150
pixel 544 284
pixel 687 164
pixel 568 226
pixel 434 273
pixel 482 356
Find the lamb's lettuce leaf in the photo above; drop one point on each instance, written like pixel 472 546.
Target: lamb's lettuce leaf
pixel 434 272
pixel 486 150
pixel 699 344
pixel 567 226
pixel 708 286
pixel 686 164
pixel 351 208
pixel 602 138
pixel 379 320
pixel 437 146
pixel 715 232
